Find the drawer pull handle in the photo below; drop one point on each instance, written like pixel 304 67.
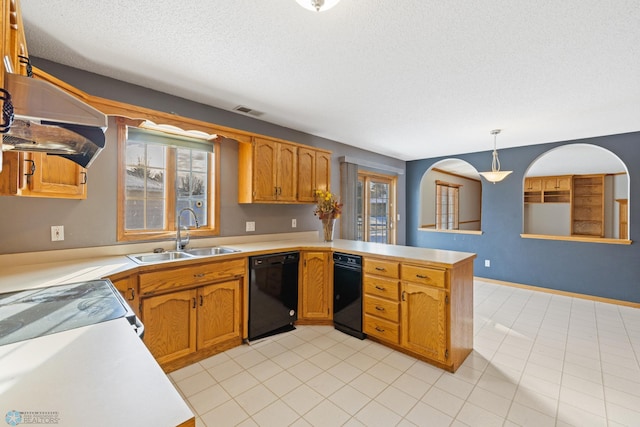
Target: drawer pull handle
pixel 201 300
pixel 381 269
pixel 133 294
pixel 379 308
pixel 379 329
pixel 197 276
pixel 380 288
pixel 194 303
pixel 421 276
pixel 403 294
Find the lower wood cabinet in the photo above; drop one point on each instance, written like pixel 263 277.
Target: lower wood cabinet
pixel 431 317
pixel 424 321
pixel 315 296
pixel 127 285
pixel 180 323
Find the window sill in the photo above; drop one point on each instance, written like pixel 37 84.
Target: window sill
pixel 433 230
pixel 578 239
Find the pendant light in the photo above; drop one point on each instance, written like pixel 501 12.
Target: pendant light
pixel 317 5
pixel 496 175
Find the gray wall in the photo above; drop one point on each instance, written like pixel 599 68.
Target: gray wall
pixel 605 270
pixel 26 222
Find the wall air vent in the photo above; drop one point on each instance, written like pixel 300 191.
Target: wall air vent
pixel 247 110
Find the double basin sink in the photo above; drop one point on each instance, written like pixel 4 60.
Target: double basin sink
pixel 153 257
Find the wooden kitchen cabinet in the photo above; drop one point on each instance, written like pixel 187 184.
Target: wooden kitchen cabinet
pixel 192 311
pixel 33 174
pixel 381 305
pixel 273 171
pixel 170 325
pixel 278 171
pixel 314 169
pixel 424 320
pixel 219 311
pixel 127 285
pixel 315 299
pixel 422 309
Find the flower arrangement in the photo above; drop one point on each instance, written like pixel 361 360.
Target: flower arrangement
pixel 328 206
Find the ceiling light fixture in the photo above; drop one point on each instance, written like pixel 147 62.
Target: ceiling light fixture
pixel 317 5
pixel 496 175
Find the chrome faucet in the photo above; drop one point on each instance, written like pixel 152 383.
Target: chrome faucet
pixel 181 242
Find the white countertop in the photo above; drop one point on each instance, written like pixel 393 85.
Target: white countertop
pixel 98 375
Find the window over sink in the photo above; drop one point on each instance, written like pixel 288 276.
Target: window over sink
pixel 160 173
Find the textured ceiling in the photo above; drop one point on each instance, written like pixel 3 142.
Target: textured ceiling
pixel 410 79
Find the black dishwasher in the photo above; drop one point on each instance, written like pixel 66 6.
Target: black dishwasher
pixel 347 294
pixel 273 294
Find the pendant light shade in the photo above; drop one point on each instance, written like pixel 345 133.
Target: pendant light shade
pixel 317 5
pixel 496 175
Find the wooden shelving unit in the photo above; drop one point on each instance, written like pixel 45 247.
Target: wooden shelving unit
pixel 587 206
pixel 547 189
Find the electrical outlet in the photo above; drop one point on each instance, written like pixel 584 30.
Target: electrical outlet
pixel 57 233
pixel 487 263
pixel 294 223
pixel 251 226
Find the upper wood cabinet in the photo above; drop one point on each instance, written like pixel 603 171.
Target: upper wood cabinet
pixel 547 189
pixel 314 173
pixel 42 175
pixel 277 171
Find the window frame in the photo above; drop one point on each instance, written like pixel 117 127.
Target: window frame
pixel 440 185
pixel 213 195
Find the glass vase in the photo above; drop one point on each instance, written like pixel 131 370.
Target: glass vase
pixel 327 228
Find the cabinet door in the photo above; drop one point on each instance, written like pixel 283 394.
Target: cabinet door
pixel 323 171
pixel 287 172
pixel 306 174
pixel 315 297
pixel 55 176
pixel 264 174
pixel 170 325
pixel 218 313
pixel 424 320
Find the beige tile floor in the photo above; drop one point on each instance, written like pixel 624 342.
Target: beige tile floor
pixel 539 360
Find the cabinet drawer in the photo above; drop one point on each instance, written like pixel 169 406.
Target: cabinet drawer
pixel 380 287
pixel 424 275
pixel 381 267
pixel 163 280
pixel 382 329
pixel 382 308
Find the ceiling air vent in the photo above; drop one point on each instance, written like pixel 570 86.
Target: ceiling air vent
pixel 247 110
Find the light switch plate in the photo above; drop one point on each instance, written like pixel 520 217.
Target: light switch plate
pixel 294 223
pixel 251 226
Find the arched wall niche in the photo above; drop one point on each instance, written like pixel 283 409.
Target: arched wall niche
pixel 577 191
pixel 451 174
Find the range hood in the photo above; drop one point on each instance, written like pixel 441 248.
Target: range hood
pixel 47 119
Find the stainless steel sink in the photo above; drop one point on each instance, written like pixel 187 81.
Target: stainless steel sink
pixel 215 250
pixel 159 257
pixel 154 257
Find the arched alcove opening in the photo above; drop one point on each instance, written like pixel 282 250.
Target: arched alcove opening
pixel 577 191
pixel 451 197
